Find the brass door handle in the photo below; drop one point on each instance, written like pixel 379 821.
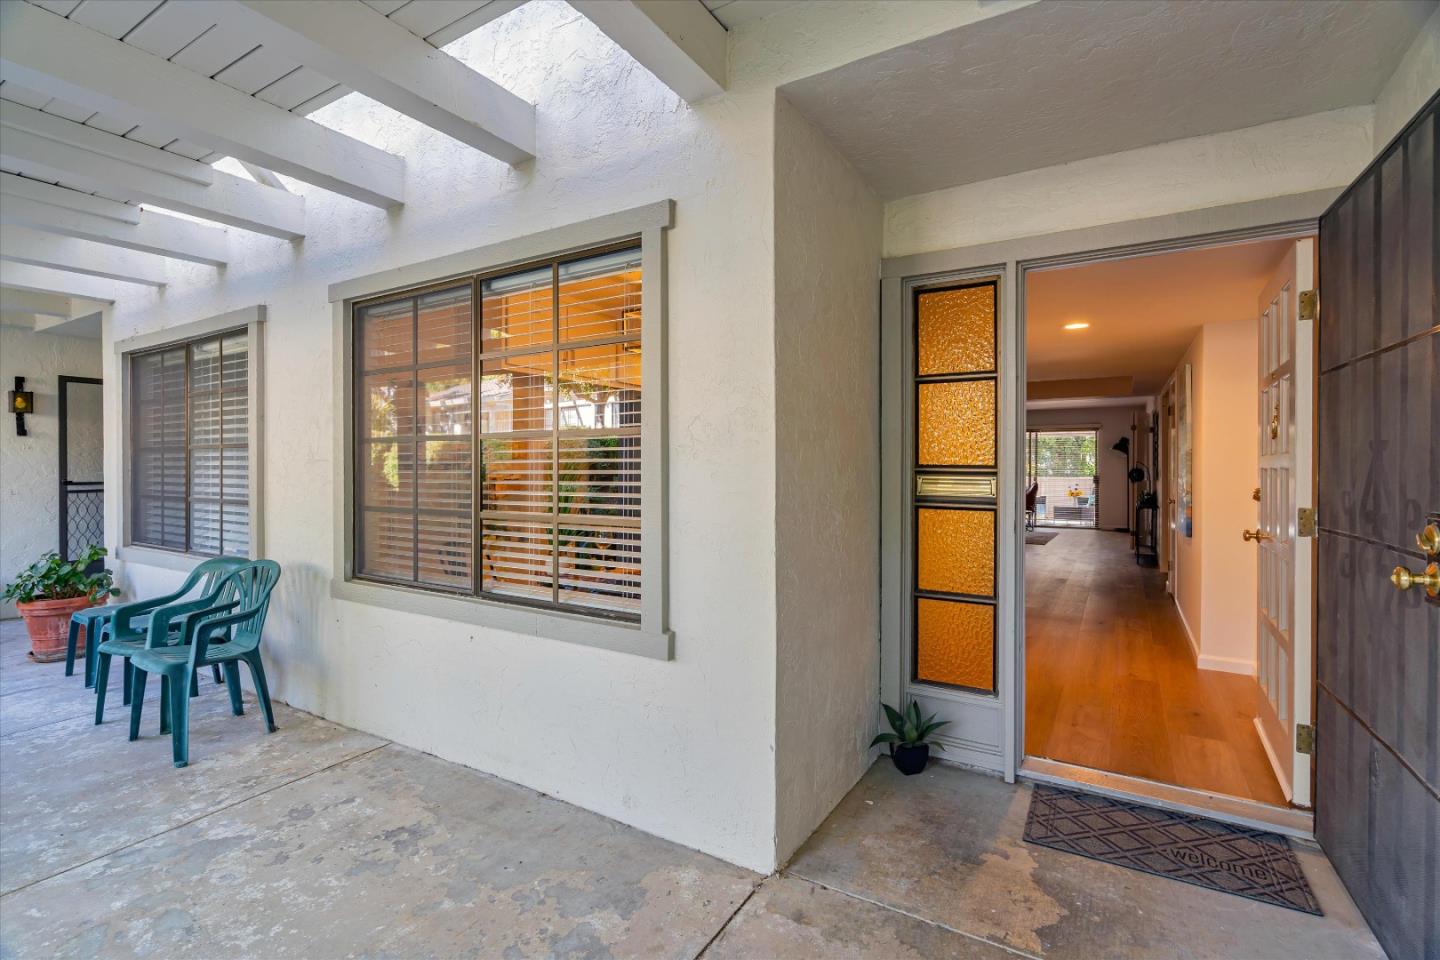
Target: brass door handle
pixel 1256 535
pixel 1429 579
pixel 1428 540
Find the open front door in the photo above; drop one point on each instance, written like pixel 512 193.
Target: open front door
pixel 1287 426
pixel 1377 742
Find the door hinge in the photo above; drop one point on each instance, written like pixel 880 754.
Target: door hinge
pixel 1305 521
pixel 1309 301
pixel 1304 738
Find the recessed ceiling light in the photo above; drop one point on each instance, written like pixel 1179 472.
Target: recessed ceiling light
pixel 1077 325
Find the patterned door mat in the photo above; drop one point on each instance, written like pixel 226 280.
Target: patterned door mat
pixel 1248 863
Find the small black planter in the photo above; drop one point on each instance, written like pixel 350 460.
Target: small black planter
pixel 910 760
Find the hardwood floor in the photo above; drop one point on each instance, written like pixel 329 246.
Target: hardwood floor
pixel 1111 682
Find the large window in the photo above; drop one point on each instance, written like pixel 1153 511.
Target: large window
pixel 497 435
pixel 1064 465
pixel 189 456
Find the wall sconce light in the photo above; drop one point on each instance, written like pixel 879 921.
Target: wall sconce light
pixel 22 401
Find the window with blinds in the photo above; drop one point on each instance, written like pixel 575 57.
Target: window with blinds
pixel 190 446
pixel 497 446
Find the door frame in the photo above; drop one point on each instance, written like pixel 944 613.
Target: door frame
pixel 62 413
pixel 993 739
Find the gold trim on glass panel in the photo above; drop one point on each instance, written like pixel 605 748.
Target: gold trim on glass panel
pixel 949 485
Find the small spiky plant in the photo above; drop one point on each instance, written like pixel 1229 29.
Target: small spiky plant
pixel 910 729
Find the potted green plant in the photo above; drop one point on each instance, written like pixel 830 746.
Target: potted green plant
pixel 910 743
pixel 48 591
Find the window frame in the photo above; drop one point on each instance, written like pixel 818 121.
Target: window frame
pixel 649 635
pixel 252 321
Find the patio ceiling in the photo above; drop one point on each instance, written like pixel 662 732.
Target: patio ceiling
pixel 107 104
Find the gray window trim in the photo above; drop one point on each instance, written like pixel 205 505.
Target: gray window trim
pixel 252 320
pixel 652 636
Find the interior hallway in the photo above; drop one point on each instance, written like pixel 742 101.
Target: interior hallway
pixel 1111 681
pixel 317 842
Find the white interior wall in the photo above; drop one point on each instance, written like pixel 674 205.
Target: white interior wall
pixel 827 264
pixel 1271 160
pixel 29 465
pixel 1116 502
pixel 1216 569
pixel 1415 80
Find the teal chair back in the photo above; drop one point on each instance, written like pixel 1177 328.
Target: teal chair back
pixel 249 587
pixel 208 575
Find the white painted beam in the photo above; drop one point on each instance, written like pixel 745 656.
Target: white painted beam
pixel 262 176
pixel 22 245
pixel 57 282
pixel 362 49
pixel 106 144
pixel 155 233
pixel 679 41
pixel 13 186
pixel 473 20
pixel 53 55
pixel 230 199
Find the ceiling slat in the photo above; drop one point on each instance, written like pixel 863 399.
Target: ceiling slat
pixel 295 88
pixel 257 70
pixel 114 18
pixel 170 29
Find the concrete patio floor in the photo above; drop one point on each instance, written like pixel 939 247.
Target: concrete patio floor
pixel 318 841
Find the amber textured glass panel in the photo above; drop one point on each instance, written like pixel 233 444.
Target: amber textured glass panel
pixel 956 551
pixel 956 330
pixel 955 643
pixel 957 424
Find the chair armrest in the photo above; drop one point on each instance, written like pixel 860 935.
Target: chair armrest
pixel 158 629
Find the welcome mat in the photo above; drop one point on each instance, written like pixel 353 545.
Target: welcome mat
pixel 1040 539
pixel 1248 863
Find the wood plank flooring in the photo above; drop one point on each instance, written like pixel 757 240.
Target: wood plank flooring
pixel 1111 682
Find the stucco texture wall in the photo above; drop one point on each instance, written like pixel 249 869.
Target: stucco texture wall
pixel 1116 502
pixel 1414 82
pixel 1270 160
pixel 682 749
pixel 827 264
pixel 29 465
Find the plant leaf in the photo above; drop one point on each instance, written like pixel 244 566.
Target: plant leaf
pixel 897 722
pixel 884 738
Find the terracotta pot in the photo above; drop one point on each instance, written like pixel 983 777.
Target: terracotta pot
pixel 48 623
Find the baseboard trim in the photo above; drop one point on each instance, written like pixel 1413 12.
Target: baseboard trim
pixel 1226 664
pixel 1281 774
pixel 1289 821
pixel 1189 634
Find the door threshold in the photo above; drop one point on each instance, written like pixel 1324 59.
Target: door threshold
pixel 1289 821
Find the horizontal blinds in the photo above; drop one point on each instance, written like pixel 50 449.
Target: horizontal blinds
pixel 547 443
pixel 1062 453
pixel 190 453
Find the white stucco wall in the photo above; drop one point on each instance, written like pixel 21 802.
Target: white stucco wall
pixel 1414 81
pixel 827 264
pixel 1271 160
pixel 683 749
pixel 29 465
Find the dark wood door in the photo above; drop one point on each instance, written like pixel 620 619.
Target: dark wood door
pixel 1377 755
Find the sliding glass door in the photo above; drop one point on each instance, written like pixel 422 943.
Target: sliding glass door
pixel 1063 467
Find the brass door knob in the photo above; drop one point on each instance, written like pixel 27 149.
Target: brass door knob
pixel 1256 535
pixel 1430 579
pixel 1428 540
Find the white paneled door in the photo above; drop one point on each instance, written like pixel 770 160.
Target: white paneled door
pixel 1287 422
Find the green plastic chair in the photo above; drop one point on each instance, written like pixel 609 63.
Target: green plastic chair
pixel 130 623
pixel 238 634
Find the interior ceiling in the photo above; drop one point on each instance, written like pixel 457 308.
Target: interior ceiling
pixel 1065 80
pixel 732 13
pixel 1143 312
